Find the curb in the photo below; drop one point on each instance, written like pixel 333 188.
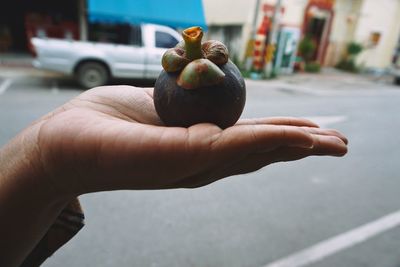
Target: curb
pixel 28 71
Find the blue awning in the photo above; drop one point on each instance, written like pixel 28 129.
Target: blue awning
pixel 174 13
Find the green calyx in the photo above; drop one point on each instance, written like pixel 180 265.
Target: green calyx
pixel 173 60
pixel 199 73
pixel 196 62
pixel 192 37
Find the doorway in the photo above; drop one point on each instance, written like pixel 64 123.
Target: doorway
pixel 16 20
pixel 315 30
pixel 317 25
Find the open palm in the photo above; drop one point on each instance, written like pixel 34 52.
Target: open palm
pixel 111 138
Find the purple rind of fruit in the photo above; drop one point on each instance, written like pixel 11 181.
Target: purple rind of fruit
pixel 199 84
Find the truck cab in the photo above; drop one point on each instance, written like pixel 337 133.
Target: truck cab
pixel 132 51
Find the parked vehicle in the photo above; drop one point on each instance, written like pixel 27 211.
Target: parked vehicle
pixel 396 70
pixel 396 65
pixel 135 54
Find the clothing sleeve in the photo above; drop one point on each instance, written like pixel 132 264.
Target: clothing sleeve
pixel 68 223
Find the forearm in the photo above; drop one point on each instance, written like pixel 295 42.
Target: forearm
pixel 28 204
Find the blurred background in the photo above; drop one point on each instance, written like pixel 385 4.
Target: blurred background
pixel 336 62
pixel 262 36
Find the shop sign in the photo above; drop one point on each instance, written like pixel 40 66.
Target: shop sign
pixel 326 4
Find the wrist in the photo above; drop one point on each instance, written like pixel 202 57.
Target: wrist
pixel 22 168
pixel 28 202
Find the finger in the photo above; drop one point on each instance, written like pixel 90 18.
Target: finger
pixel 279 121
pixel 324 146
pixel 327 132
pixel 328 145
pixel 250 164
pixel 253 138
pixel 236 143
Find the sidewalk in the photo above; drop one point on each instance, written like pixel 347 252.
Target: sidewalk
pixel 15 65
pixel 328 82
pixel 329 74
pixel 333 78
pixel 16 60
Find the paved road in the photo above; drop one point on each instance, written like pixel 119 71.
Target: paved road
pixel 277 213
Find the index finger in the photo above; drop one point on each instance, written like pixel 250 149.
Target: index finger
pixel 290 121
pixel 260 137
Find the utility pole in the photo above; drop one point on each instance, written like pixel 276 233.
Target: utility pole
pixel 255 19
pixel 253 34
pixel 272 40
pixel 82 20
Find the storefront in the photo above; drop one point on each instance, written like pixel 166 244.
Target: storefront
pixel 77 19
pixel 173 13
pixel 24 19
pixel 317 25
pixel 297 20
pixel 108 21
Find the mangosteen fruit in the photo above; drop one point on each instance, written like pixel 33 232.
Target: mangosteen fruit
pixel 199 84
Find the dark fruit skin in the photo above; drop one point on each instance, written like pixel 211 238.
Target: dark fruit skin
pixel 221 104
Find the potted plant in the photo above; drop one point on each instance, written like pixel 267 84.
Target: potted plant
pixel 348 63
pixel 307 49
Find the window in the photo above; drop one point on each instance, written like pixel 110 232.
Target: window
pixel 165 40
pixel 136 35
pixel 109 33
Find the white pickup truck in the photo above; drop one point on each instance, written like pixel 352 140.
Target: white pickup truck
pixel 136 53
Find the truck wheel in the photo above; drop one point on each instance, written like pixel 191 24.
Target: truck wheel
pixel 92 74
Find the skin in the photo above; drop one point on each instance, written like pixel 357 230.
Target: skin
pixel 111 138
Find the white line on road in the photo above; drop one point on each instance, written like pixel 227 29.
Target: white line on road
pixel 323 121
pixel 340 242
pixel 54 87
pixel 5 85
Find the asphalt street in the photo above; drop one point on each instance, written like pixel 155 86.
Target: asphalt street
pixel 305 213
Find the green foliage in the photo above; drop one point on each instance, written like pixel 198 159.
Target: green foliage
pixel 313 67
pixel 240 65
pixel 353 49
pixel 245 73
pixel 236 61
pixel 307 48
pixel 348 65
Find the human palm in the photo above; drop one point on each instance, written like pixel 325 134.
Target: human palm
pixel 111 138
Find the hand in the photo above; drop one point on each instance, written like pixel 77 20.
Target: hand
pixel 111 138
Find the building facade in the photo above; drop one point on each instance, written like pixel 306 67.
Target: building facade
pixel 230 22
pixel 333 24
pixel 24 19
pixel 84 19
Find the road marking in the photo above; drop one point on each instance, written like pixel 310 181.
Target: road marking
pixel 54 87
pixel 5 85
pixel 324 121
pixel 338 243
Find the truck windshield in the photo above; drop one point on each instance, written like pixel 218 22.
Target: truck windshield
pixel 165 40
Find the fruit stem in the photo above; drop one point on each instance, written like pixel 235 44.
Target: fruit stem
pixel 192 37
